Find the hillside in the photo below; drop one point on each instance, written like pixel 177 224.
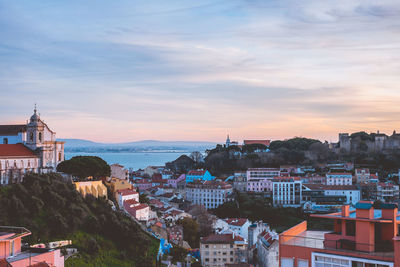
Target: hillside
pixel 53 210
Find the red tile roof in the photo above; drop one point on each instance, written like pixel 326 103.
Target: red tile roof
pixel 221 238
pixel 12 129
pixel 16 150
pixel 260 142
pixel 236 221
pixel 126 192
pixel 130 202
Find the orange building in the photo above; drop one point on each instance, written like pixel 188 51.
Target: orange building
pixel 362 237
pixel 12 254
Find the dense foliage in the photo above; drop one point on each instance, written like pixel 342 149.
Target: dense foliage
pixel 85 166
pixel 258 208
pixel 297 143
pixel 52 209
pixel 225 160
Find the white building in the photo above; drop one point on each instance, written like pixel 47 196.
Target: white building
pixel 287 192
pixel 28 147
pixel 210 194
pixel 239 226
pixel 126 194
pixel 259 179
pixel 387 192
pixel 339 179
pixel 118 171
pixel 351 192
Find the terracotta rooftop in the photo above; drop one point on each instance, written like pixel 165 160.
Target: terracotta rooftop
pixel 12 129
pixel 16 150
pixel 126 192
pixel 221 238
pixel 236 221
pixel 260 142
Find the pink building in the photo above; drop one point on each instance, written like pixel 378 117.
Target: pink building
pixel 260 179
pixel 173 182
pixel 11 253
pixel 143 184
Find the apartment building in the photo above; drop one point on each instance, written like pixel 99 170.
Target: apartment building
pixel 287 191
pixel 217 250
pixel 210 194
pixel 343 178
pixel 259 179
pixel 362 176
pixel 343 194
pixel 387 192
pixel 361 237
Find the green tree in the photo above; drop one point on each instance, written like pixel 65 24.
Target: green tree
pixel 85 166
pixel 190 231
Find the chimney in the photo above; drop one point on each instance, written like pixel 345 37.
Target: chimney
pixel 345 210
pixel 365 209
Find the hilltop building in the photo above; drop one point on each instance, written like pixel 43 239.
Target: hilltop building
pixel 374 142
pixel 30 147
pixel 94 188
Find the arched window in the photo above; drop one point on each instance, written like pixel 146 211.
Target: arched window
pixel 40 137
pixel 59 156
pixel 31 137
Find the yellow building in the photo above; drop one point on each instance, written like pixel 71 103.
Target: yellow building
pixel 115 184
pixel 94 188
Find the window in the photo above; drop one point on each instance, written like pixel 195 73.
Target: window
pixel 5 141
pixel 287 262
pixel 302 263
pixel 40 137
pixel 31 136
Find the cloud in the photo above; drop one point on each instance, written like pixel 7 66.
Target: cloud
pixel 183 70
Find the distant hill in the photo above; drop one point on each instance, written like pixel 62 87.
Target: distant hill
pixel 82 145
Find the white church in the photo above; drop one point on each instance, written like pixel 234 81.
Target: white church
pixel 30 147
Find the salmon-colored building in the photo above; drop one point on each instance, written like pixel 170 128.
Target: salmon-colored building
pixel 12 254
pixel 361 237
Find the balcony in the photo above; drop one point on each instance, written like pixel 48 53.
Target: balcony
pixel 316 240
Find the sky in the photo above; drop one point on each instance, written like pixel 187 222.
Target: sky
pixel 118 71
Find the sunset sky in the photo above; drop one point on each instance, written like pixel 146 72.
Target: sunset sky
pixel 116 71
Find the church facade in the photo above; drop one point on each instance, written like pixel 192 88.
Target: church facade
pixel 30 147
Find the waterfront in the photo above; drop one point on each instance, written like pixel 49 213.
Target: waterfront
pixel 135 160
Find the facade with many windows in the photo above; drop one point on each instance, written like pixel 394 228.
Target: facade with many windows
pixel 210 194
pixel 287 192
pixel 259 179
pixel 339 179
pixel 217 250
